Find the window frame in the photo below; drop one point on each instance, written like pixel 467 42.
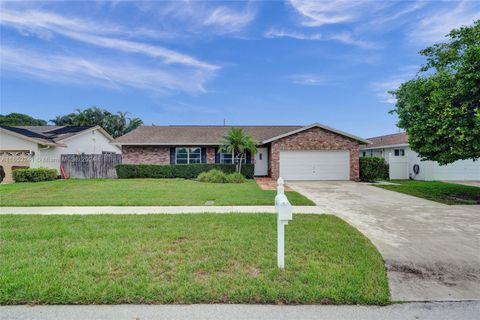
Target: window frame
pixel 222 155
pixel 189 152
pixel 401 152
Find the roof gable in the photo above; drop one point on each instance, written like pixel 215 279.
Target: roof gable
pixel 318 125
pixel 50 135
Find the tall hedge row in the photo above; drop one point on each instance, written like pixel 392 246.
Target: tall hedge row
pixel 187 171
pixel 373 168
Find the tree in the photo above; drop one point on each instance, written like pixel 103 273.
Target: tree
pixel 238 143
pixel 440 107
pixel 115 124
pixel 20 119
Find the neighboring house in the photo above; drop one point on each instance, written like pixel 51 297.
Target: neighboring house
pixel 42 146
pixel 314 152
pixel 396 151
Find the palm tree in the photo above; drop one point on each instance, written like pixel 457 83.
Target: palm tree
pixel 115 124
pixel 238 143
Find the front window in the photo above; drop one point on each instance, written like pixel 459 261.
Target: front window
pixel 188 155
pixel 399 152
pixel 228 158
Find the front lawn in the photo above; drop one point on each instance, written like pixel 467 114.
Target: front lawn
pixel 208 258
pixel 448 193
pixel 138 192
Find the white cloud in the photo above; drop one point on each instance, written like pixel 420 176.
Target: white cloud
pixel 229 20
pixel 319 13
pixel 119 67
pixel 277 33
pixel 44 23
pixel 382 88
pixel 347 38
pixel 94 71
pixel 433 27
pixel 344 37
pixel 307 79
pixel 203 17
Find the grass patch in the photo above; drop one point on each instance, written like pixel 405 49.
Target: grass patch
pixel 208 258
pixel 138 192
pixel 443 192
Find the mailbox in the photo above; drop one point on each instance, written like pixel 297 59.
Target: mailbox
pixel 284 208
pixel 284 211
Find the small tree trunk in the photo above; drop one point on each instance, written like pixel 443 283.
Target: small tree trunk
pixel 240 163
pixel 234 160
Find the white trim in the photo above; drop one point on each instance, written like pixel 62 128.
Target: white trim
pixel 318 125
pixel 385 146
pixel 188 154
pixel 31 139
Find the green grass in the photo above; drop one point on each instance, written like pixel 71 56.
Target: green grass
pixel 448 193
pixel 208 258
pixel 138 192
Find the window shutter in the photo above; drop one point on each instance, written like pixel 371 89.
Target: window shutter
pixel 248 157
pixel 172 155
pixel 204 155
pixel 217 156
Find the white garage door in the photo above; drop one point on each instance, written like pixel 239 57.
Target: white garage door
pixel 315 165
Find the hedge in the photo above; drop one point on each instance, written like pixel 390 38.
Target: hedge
pixel 187 171
pixel 373 168
pixel 34 174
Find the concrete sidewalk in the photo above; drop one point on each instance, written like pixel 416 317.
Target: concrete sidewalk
pixel 153 210
pixel 435 311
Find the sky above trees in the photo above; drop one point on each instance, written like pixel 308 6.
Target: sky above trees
pixel 277 62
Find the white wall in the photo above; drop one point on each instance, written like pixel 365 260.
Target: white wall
pixel 431 170
pixel 90 142
pixel 11 142
pixel 402 167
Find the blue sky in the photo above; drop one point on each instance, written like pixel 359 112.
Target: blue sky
pixel 190 62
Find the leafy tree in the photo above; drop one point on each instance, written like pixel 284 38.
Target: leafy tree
pixel 440 107
pixel 115 124
pixel 238 143
pixel 20 119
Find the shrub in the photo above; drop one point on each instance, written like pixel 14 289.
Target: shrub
pixel 235 178
pixel 187 171
pixel 373 168
pixel 213 176
pixel 34 174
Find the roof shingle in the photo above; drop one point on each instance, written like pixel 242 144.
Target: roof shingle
pixel 388 140
pixel 206 135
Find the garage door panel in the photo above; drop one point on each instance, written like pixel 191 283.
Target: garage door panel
pixel 315 165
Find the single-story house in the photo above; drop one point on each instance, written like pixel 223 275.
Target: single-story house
pixel 42 146
pixel 405 163
pixel 313 152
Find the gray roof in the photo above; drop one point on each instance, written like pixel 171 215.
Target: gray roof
pixel 209 135
pixel 196 135
pixel 388 140
pixel 49 135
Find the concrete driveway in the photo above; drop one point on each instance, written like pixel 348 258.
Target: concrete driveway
pixel 431 250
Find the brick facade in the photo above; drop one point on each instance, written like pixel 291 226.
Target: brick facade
pixel 315 139
pixel 145 155
pixel 154 154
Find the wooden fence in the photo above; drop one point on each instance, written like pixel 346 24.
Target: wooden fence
pixel 86 166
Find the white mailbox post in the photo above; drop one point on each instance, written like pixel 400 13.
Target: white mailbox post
pixel 284 214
